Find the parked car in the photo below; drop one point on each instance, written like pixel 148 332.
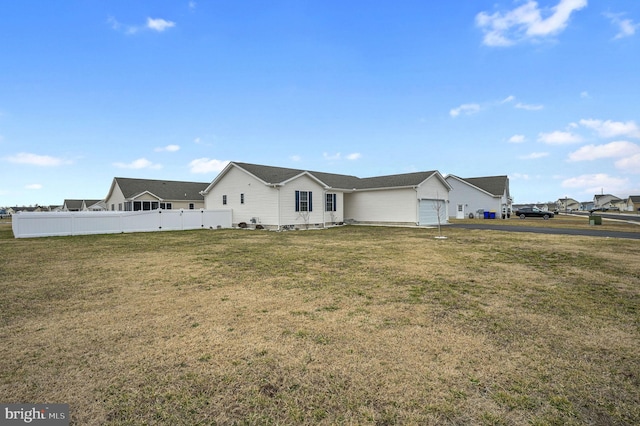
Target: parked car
pixel 599 209
pixel 533 212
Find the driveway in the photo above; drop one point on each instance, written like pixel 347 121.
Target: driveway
pixel 557 231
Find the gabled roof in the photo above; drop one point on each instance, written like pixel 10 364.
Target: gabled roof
pixel 163 189
pixel 73 204
pixel 598 197
pixel 494 185
pixel 634 198
pixel 271 175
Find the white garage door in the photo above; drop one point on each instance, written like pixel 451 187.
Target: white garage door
pixel 428 211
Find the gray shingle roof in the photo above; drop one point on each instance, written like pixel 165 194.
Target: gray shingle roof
pixel 494 185
pixel 277 175
pixel 164 189
pixel 73 204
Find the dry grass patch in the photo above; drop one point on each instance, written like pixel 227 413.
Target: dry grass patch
pixel 352 325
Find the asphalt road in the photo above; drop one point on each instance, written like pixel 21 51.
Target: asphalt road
pixel 557 231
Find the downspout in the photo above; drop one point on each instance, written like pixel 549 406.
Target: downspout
pixel 278 189
pixel 415 188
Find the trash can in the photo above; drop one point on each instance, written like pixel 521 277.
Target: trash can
pixel 492 215
pixel 486 215
pixel 595 220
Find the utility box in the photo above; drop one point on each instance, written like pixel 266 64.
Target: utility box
pixel 595 220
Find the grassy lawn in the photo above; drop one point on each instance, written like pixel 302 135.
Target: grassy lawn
pixel 351 325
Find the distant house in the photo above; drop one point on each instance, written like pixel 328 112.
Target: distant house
pixel 604 201
pixel 83 205
pixel 127 194
pixel 633 203
pixel 278 197
pixel 567 204
pixel 473 195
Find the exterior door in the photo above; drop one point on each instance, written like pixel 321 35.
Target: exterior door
pixel 460 211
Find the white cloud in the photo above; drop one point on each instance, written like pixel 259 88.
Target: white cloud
pixel 295 158
pixel 612 129
pixel 529 107
pixel 597 183
pixel 34 186
pixel 519 176
pixel 467 109
pixel 584 95
pixel 192 5
pixel 328 156
pixel 610 150
pixel 168 148
pixel 517 139
pixel 207 165
pixel 558 138
pixel 526 22
pixel 159 24
pixel 534 156
pixel 629 164
pixel 509 98
pixel 626 27
pixel 338 156
pixel 36 160
pixel 141 163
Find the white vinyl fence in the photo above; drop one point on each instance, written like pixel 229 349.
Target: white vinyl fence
pixel 48 224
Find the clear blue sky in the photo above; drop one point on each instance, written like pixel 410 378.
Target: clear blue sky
pixel 546 92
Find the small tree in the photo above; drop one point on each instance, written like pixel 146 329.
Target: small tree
pixel 438 206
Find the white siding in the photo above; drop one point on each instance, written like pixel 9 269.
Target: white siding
pixel 260 200
pixel 117 199
pixel 289 215
pixel 390 205
pixel 473 199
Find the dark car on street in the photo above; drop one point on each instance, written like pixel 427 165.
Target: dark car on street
pixel 533 212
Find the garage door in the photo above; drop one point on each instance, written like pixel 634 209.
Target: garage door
pixel 428 211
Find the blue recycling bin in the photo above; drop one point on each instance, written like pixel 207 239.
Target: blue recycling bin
pixel 486 215
pixel 492 215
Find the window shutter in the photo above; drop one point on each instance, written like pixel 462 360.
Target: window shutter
pixel 335 198
pixel 310 204
pixel 297 201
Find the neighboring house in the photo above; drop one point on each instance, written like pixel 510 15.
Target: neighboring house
pixel 128 194
pixel 633 203
pixel 619 204
pixel 604 200
pixel 586 205
pixel 479 194
pixel 83 205
pixel 277 197
pixel 567 204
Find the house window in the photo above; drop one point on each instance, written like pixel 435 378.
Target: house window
pixel 165 206
pixel 192 206
pixel 330 204
pixel 304 201
pixel 119 207
pixel 224 200
pixel 241 198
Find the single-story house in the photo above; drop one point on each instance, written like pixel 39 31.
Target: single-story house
pixel 473 196
pixel 70 205
pixel 279 198
pixel 633 203
pixel 604 200
pixel 586 205
pixel 127 194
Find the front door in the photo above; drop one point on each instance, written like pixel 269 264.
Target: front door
pixel 460 211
